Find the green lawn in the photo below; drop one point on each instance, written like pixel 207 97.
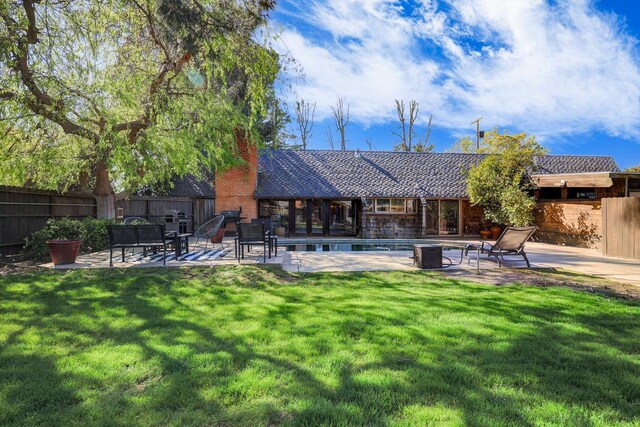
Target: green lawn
pixel 252 346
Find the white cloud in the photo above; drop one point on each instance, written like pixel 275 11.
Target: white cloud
pixel 547 69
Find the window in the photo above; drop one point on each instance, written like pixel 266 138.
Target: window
pixel 397 206
pixel 277 210
pixel 582 193
pixel 382 205
pixel 550 193
pixel 394 206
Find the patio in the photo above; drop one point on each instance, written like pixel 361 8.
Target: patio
pixel 541 255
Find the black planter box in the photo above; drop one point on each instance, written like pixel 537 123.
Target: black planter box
pixel 427 256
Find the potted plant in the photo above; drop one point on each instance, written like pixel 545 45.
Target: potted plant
pixel 61 238
pixel 495 231
pixel 63 251
pixel 485 234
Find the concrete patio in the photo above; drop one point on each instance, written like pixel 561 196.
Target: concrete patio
pixel 541 255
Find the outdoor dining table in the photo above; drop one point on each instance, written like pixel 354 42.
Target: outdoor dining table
pixel 180 242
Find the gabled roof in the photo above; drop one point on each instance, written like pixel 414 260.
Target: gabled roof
pixel 189 186
pixel 325 174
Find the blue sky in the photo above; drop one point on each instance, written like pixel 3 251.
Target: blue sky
pixel 567 71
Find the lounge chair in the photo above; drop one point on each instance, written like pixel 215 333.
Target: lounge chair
pixel 510 242
pixel 208 230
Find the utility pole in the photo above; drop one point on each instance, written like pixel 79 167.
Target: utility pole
pixel 477 122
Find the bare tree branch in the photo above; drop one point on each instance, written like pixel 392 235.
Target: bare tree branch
pixel 341 120
pixel 304 109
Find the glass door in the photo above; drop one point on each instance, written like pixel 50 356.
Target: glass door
pixel 449 217
pixel 316 217
pixel 431 217
pixel 301 217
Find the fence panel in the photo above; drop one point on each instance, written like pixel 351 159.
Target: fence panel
pixel 621 227
pixel 24 211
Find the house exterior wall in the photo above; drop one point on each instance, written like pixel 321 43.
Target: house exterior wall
pixel 400 226
pixel 472 218
pixel 574 222
pixel 569 222
pixel 235 187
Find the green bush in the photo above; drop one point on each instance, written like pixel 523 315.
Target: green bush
pixel 92 232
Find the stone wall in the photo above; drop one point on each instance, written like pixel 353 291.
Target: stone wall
pixel 392 226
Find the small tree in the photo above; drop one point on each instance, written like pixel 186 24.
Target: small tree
pixel 500 182
pixel 305 112
pixel 406 131
pixel 341 118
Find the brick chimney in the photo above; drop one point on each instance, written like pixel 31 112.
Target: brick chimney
pixel 235 186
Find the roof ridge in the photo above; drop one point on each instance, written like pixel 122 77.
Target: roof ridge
pixel 318 150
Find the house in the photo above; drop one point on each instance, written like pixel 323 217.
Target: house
pixel 376 194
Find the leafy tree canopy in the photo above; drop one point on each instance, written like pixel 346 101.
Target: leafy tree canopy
pixel 121 94
pixel 500 182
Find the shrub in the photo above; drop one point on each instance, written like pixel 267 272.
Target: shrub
pixel 92 232
pixel 500 182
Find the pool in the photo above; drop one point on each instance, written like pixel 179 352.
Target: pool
pixel 354 247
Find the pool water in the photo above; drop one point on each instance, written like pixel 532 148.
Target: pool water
pixel 351 247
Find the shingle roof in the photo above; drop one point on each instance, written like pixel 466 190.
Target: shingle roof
pixel 353 174
pixel 189 186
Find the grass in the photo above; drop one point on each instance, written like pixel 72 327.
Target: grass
pixel 255 346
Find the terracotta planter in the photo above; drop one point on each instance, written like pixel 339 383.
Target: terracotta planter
pixel 485 234
pixel 495 232
pixel 63 251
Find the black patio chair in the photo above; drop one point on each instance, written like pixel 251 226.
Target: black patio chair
pixel 132 220
pixel 252 235
pixel 268 227
pixel 209 229
pixel 511 242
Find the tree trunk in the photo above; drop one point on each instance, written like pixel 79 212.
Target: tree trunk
pixel 103 193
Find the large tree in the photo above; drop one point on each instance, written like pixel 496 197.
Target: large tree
pixel 116 94
pixel 500 183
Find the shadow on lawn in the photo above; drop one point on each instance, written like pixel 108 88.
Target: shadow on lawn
pixel 529 348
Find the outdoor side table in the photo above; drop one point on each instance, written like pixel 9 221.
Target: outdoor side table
pixel 427 256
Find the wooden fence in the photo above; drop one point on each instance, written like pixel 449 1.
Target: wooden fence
pixel 621 227
pixel 24 211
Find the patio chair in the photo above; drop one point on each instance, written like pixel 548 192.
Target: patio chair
pixel 510 242
pixel 268 228
pixel 218 238
pixel 208 230
pixel 252 235
pixel 132 220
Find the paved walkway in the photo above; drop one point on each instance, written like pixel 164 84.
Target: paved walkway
pixel 541 255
